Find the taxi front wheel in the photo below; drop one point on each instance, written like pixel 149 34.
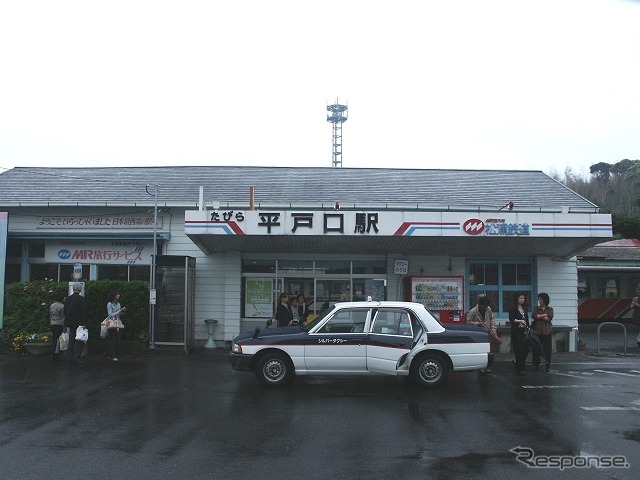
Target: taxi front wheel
pixel 429 370
pixel 274 369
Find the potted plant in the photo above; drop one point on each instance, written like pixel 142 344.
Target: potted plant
pixel 34 343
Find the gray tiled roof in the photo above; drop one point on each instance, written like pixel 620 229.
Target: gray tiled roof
pixel 282 186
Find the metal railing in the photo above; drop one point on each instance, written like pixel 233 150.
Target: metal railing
pixel 612 323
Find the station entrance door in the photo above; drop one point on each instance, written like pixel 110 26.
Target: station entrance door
pixel 172 316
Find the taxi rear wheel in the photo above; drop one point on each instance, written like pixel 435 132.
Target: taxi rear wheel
pixel 429 370
pixel 274 369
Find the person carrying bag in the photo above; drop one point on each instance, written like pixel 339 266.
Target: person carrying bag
pixel 113 324
pixel 75 315
pixel 56 321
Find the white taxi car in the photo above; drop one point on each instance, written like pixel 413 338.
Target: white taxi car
pixel 364 338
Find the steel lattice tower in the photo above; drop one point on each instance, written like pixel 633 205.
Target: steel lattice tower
pixel 337 115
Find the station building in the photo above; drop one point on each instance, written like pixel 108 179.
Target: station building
pixel 230 239
pixel 608 276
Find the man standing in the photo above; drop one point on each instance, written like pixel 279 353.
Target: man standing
pixel 75 314
pixel 284 315
pixel 482 316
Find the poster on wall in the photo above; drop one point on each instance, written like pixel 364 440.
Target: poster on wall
pixel 258 298
pixel 4 220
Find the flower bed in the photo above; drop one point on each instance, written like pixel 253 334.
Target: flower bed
pixel 38 340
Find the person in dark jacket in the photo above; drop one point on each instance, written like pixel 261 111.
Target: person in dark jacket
pixel 519 320
pixel 542 316
pixel 284 315
pixel 75 315
pixel 303 309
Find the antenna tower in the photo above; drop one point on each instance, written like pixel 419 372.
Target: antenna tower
pixel 337 115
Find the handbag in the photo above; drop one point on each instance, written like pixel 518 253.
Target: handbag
pixel 112 323
pixel 115 323
pixel 82 334
pixel 63 341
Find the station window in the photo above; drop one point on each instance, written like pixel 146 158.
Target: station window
pixel 583 286
pixel 258 266
pixel 516 274
pixel 44 271
pixel 608 287
pixel 36 250
pixel 500 281
pixel 14 249
pixel 370 267
pixel 485 273
pixel 113 272
pixel 334 267
pixel 633 283
pixel 142 272
pixel 322 282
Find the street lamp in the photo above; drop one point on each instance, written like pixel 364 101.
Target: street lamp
pixel 152 288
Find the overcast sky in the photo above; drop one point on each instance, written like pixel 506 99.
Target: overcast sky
pixel 492 84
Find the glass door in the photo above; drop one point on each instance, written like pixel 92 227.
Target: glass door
pixel 363 288
pixel 329 292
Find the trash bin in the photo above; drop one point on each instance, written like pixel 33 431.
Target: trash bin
pixel 211 323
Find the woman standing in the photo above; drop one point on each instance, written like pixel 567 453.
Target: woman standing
pixel 56 320
pixel 519 320
pixel 542 316
pixel 114 310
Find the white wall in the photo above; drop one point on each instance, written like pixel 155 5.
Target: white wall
pixel 559 278
pixel 218 284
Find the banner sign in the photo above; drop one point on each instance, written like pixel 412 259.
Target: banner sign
pixel 101 252
pixel 110 222
pixel 396 223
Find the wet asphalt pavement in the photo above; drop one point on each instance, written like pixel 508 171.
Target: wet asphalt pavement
pixel 167 414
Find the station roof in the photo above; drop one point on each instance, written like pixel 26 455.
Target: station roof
pixel 317 187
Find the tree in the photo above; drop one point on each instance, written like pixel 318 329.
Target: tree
pixel 615 189
pixel 626 227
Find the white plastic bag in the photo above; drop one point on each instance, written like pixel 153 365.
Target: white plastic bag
pixel 82 334
pixel 63 341
pixel 104 331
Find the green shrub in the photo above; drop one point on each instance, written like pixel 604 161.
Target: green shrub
pixel 27 307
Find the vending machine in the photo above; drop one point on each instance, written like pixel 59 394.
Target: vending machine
pixel 442 296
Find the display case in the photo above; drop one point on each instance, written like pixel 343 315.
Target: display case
pixel 442 296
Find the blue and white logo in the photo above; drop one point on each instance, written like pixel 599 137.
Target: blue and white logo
pixel 64 254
